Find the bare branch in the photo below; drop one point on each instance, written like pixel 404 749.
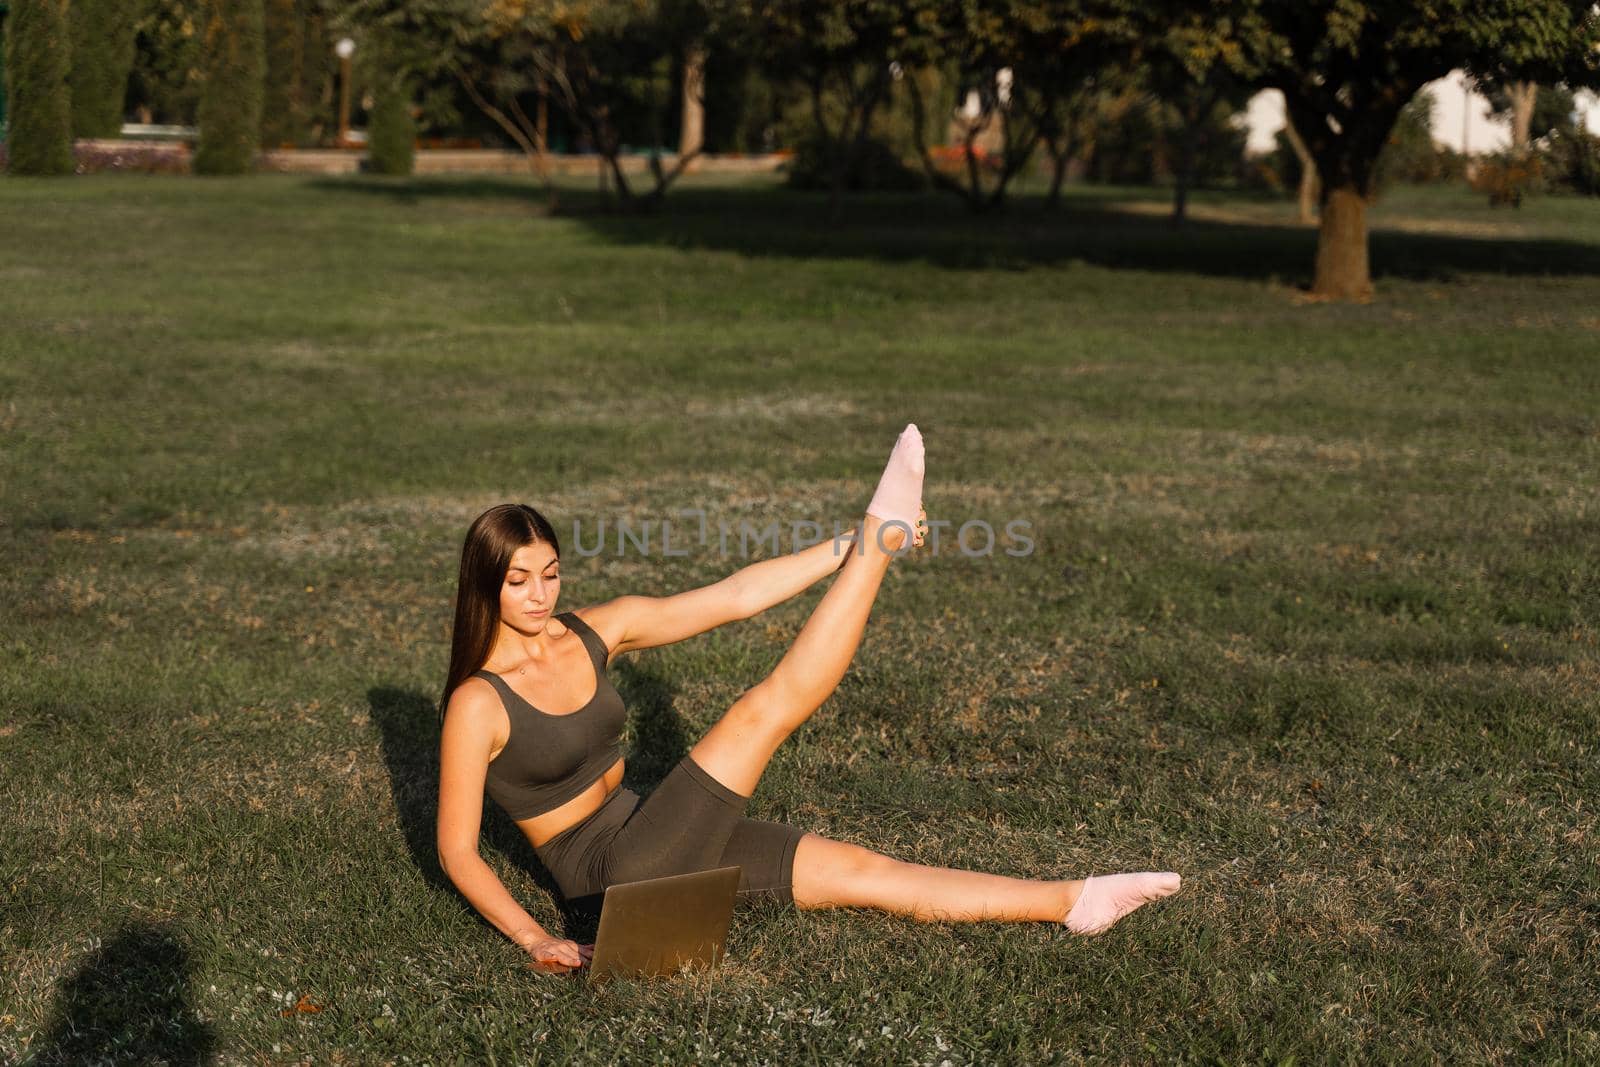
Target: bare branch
pixel 519 134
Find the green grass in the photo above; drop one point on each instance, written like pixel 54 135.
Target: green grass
pixel 1311 616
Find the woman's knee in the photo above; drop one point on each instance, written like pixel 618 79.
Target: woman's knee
pixel 763 711
pixel 836 872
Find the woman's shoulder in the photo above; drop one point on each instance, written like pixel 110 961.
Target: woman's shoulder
pixel 475 706
pixel 599 620
pixel 474 696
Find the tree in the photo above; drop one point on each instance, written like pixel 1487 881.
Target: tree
pixel 40 104
pixel 281 107
pixel 1028 65
pixel 167 73
pixel 607 61
pixel 230 101
pixel 453 40
pixel 692 128
pixel 1555 110
pixel 1534 110
pixel 1079 119
pixel 606 65
pixel 1523 93
pixel 1347 67
pixel 313 105
pixel 1189 64
pixel 102 58
pixel 1309 193
pixel 842 52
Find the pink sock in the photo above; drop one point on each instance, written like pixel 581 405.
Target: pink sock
pixel 1108 897
pixel 899 495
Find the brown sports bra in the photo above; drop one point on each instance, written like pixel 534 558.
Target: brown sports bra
pixel 549 759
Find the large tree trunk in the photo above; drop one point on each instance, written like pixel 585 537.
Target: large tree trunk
pixel 1523 95
pixel 1346 152
pixel 1310 184
pixel 691 136
pixel 1343 271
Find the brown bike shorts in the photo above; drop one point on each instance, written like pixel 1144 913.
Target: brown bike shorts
pixel 690 822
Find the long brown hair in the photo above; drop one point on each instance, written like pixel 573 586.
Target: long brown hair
pixel 492 539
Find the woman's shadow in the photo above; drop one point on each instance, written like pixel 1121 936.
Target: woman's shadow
pixel 128 1003
pixel 408 737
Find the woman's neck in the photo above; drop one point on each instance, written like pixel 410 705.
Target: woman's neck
pixel 516 650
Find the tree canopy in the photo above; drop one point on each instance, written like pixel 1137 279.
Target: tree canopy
pixel 1346 68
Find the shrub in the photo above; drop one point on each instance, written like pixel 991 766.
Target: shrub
pixel 1507 177
pixel 1411 156
pixel 877 167
pixel 1572 161
pixel 38 55
pixel 230 101
pixel 102 59
pixel 391 132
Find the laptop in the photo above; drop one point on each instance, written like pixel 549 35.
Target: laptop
pixel 660 925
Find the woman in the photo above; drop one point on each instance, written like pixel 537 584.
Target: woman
pixel 529 714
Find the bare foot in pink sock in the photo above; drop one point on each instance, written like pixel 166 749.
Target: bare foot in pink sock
pixel 1108 897
pixel 899 495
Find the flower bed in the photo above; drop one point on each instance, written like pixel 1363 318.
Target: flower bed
pixel 133 157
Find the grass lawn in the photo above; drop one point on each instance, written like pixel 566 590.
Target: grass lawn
pixel 1310 615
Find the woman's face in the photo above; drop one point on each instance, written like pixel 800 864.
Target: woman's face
pixel 532 584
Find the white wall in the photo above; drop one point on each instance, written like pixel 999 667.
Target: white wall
pixel 1589 110
pixel 1460 117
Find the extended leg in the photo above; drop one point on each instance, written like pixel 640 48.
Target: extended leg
pixel 834 874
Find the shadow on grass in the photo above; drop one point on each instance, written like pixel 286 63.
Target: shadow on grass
pixel 408 737
pixel 1094 226
pixel 129 1003
pixel 659 741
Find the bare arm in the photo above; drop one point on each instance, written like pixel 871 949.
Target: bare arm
pixel 470 723
pixel 772 581
pixel 633 622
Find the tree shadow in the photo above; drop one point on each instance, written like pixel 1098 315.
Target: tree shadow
pixel 1120 229
pixel 128 1003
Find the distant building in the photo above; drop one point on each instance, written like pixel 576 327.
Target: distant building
pixel 1460 117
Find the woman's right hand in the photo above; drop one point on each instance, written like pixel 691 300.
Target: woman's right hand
pixel 554 955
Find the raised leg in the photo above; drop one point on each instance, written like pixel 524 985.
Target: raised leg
pixel 736 750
